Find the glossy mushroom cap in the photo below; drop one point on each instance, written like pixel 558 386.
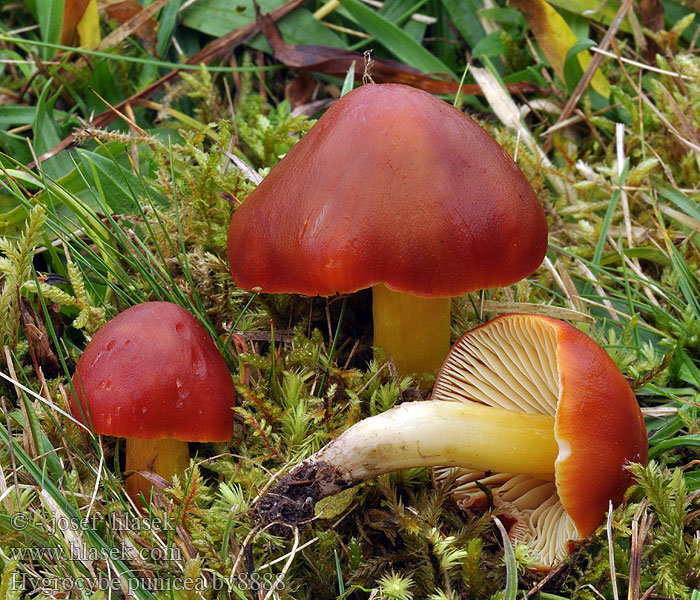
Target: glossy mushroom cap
pixel 153 372
pixel 536 364
pixel 393 186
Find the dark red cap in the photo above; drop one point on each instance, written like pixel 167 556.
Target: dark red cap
pixel 391 185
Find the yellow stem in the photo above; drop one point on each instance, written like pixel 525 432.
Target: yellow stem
pixel 440 433
pixel 415 331
pixel 166 457
pixel 326 9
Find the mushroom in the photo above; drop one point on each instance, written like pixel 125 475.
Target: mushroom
pixel 527 405
pixel 153 375
pixel 396 190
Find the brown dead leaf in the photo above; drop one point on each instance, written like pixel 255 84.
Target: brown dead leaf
pixel 133 18
pixel 213 50
pixel 652 14
pixel 154 479
pixel 40 349
pixel 653 19
pixel 310 109
pixel 300 90
pixel 336 62
pixel 73 11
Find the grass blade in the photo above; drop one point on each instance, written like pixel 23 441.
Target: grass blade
pixel 689 207
pixel 607 219
pixel 464 16
pixel 399 43
pixel 349 80
pixel 511 589
pixel 683 441
pixel 47 136
pixel 62 502
pixel 50 16
pixel 166 25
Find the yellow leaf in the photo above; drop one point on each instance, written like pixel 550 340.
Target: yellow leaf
pixel 334 506
pixel 555 38
pixel 89 26
pixel 73 11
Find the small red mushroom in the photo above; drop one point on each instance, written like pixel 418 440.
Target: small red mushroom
pixel 153 375
pixel 396 190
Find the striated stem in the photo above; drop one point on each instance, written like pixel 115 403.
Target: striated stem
pixel 417 434
pixel 166 457
pixel 415 331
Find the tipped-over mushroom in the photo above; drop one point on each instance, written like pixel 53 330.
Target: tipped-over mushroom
pixel 153 375
pixel 396 190
pixel 526 405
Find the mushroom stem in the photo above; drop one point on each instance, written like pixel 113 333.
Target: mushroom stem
pixel 448 434
pixel 413 330
pixel 417 434
pixel 165 457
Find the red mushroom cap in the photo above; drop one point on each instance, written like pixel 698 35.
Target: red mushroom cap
pixel 598 420
pixel 153 372
pixel 540 365
pixel 393 186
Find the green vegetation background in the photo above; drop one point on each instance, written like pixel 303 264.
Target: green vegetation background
pixel 138 209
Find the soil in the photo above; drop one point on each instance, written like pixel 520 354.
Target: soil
pixel 291 501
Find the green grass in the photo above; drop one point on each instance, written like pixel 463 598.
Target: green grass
pixel 138 214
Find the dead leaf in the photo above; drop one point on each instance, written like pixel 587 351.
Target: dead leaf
pixel 652 14
pixel 89 26
pixel 336 62
pixel 73 11
pixel 310 109
pixel 653 19
pixel 556 312
pixel 332 507
pixel 133 19
pixel 281 335
pixel 154 479
pixel 555 38
pixel 40 349
pixel 301 89
pixel 215 49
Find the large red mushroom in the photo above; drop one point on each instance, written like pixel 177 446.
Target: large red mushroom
pixel 153 375
pixel 526 405
pixel 396 190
